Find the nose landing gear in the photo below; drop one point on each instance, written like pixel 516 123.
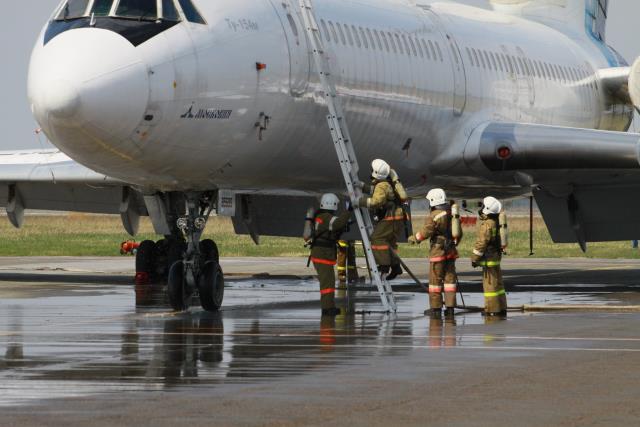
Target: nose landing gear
pixel 192 266
pixel 199 269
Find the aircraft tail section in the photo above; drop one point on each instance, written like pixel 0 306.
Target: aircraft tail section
pixel 578 16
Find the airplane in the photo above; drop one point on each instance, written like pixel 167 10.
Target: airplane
pixel 177 109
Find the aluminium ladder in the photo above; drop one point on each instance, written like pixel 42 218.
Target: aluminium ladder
pixel 344 149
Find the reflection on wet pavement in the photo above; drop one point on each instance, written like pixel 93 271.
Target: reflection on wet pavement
pixel 92 340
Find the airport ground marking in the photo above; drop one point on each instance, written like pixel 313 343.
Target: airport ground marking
pixel 317 335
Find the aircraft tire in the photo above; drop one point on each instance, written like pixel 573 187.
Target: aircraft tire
pixel 176 287
pixel 209 251
pixel 211 286
pixel 146 258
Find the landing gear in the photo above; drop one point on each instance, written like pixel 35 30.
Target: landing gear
pixel 145 262
pixel 199 269
pixel 145 272
pixel 211 283
pixel 178 291
pixel 190 267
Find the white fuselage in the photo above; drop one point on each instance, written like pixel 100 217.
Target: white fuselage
pixel 184 110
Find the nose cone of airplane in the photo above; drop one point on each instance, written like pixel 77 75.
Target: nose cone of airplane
pixel 88 85
pixel 60 99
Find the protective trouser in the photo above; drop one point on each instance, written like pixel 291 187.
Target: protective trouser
pixel 495 296
pixel 327 278
pixel 442 278
pixel 384 240
pixel 347 269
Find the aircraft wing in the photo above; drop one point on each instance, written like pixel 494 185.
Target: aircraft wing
pixel 49 180
pixel 584 181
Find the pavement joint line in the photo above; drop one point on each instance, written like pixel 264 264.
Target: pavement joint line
pixel 275 335
pixel 427 347
pixel 132 316
pixel 567 271
pixel 457 346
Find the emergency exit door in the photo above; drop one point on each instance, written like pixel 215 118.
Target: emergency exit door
pixel 299 58
pixel 455 59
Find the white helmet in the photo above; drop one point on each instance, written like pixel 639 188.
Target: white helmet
pixel 380 169
pixel 437 197
pixel 491 206
pixel 329 202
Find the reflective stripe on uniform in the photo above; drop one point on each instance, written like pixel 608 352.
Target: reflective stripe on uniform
pixel 489 263
pixel 343 244
pixel 440 215
pixel 478 253
pixel 444 258
pixel 342 268
pixel 451 287
pixel 380 247
pixel 395 218
pixel 323 261
pixel 334 219
pixel 327 291
pixel 495 294
pixel 435 289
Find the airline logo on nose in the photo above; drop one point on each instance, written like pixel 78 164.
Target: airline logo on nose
pixel 207 114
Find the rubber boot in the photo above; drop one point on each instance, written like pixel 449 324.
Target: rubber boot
pixel 334 311
pixel 396 270
pixel 450 312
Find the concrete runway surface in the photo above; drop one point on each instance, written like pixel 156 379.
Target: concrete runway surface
pixel 74 350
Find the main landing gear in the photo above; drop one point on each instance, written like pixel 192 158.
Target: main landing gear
pixel 189 266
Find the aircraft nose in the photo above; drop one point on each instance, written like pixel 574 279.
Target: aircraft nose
pixel 91 82
pixel 60 99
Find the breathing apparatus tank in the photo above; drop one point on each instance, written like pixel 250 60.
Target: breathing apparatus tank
pixel 456 226
pixel 504 231
pixel 307 234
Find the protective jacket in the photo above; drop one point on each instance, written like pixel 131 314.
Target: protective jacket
pixel 327 231
pixel 386 200
pixel 437 229
pixel 488 249
pixel 386 204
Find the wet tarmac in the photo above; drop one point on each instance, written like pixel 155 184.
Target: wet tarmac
pixel 75 350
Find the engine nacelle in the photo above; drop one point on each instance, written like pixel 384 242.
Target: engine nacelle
pixel 634 84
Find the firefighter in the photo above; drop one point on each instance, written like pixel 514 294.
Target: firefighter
pixel 326 230
pixel 442 255
pixel 386 203
pixel 347 270
pixel 488 254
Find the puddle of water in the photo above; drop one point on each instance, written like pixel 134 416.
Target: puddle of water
pixel 93 341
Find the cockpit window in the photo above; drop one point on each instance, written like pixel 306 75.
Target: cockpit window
pixel 169 11
pixel 136 20
pixel 191 12
pixel 101 7
pixel 138 9
pixel 73 9
pixel 143 10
